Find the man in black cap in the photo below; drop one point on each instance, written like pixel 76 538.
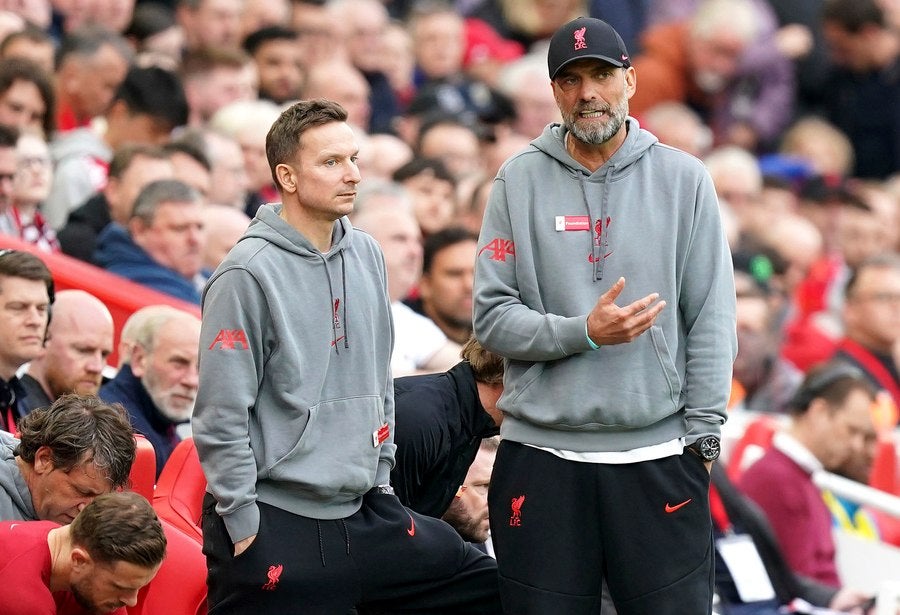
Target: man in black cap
pixel 614 391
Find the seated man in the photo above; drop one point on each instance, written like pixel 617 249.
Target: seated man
pixel 79 338
pixel 159 385
pixel 468 511
pixel 738 523
pixel 163 244
pixel 441 420
pixel 26 292
pixel 112 549
pixel 132 167
pixel 67 455
pixel 831 419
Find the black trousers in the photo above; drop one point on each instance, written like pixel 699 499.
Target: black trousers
pixel 383 559
pixel 559 527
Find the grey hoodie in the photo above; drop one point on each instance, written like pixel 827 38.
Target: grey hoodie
pixel 648 214
pixel 80 161
pixel 295 381
pixel 15 498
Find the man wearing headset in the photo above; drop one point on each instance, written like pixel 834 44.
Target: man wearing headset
pixel 26 292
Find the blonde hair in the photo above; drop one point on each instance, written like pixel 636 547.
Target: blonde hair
pixel 837 147
pixel 488 367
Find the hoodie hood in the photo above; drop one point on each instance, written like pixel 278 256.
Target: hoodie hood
pixel 17 502
pixel 269 226
pixel 637 141
pixel 79 143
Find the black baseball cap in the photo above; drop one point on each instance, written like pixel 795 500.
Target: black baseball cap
pixel 586 37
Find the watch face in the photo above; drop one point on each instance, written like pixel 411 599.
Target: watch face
pixel 709 448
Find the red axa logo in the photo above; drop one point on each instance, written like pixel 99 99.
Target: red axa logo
pixel 274 575
pixel 227 338
pixel 516 519
pixel 580 43
pixel 499 249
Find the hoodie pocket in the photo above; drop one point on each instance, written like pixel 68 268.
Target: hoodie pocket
pixel 335 454
pixel 621 386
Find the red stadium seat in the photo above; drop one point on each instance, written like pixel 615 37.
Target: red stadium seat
pixel 179 588
pixel 757 438
pixel 123 297
pixel 884 474
pixel 143 471
pixel 179 492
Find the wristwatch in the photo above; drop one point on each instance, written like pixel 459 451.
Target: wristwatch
pixel 707 448
pixel 384 489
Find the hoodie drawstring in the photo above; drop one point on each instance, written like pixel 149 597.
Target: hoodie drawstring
pixel 599 232
pixel 321 542
pixel 344 531
pixel 346 323
pixel 336 304
pixel 346 536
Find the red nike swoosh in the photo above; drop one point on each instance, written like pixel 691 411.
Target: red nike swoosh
pixel 671 509
pixel 412 526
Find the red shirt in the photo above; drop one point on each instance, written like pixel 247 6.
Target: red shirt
pixel 25 572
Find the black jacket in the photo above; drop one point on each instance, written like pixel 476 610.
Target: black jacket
pixel 78 238
pixel 440 423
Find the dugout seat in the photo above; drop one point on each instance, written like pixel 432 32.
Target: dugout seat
pixel 180 489
pixel 143 471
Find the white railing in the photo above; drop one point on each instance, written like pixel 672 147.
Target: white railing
pixel 858 492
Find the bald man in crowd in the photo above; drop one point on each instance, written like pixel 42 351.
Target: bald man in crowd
pixel 79 339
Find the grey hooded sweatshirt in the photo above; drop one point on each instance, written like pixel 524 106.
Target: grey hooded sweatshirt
pixel 15 498
pixel 555 238
pixel 295 383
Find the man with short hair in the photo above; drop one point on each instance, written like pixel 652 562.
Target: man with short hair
pixel 441 419
pixel 96 564
pixel 468 510
pixel 91 63
pixel 132 167
pixel 26 292
pixel 79 338
pixel 279 63
pixel 445 288
pixel 618 352
pixel 67 454
pixel 831 422
pixel 871 317
pixel 214 77
pixel 148 105
pixel 210 23
pixel 158 386
pixel 308 394
pixel 163 244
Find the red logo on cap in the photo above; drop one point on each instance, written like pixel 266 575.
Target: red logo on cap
pixel 579 38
